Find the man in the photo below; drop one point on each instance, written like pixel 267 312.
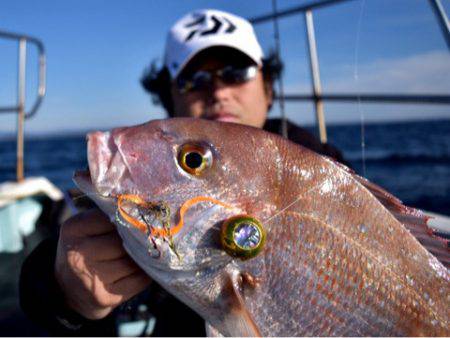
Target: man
pixel 214 68
pixel 238 94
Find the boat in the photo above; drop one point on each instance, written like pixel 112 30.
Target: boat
pixel 25 200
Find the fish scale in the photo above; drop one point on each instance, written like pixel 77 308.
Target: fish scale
pixel 313 293
pixel 337 261
pixel 369 296
pixel 374 239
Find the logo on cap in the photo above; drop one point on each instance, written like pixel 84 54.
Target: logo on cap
pixel 220 25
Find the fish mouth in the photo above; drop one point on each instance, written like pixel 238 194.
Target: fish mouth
pixel 154 215
pixel 82 179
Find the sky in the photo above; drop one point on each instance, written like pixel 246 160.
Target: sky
pixel 97 51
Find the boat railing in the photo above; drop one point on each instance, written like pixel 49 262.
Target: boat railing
pixel 19 109
pixel 317 96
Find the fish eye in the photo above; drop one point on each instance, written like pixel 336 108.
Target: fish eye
pixel 242 236
pixel 194 158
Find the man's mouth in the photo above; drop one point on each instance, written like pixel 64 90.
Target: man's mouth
pixel 224 117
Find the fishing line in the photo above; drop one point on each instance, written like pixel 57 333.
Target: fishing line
pixel 291 204
pixel 276 32
pixel 85 195
pixel 358 93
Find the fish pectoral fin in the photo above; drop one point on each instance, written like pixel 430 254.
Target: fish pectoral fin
pixel 237 320
pixel 211 331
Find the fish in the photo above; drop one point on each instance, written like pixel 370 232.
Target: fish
pixel 263 237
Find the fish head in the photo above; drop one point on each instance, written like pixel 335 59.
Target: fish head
pixel 170 184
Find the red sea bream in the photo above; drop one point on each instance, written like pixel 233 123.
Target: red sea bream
pixel 261 236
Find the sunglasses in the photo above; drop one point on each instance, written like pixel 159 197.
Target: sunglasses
pixel 202 79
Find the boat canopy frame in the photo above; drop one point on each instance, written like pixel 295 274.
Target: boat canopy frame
pixel 21 82
pixel 317 97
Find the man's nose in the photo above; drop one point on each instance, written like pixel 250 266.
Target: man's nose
pixel 218 89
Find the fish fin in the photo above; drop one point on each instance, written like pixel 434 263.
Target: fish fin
pixel 413 219
pixel 237 322
pixel 211 331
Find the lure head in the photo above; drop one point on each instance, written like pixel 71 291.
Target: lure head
pixel 242 236
pixel 169 185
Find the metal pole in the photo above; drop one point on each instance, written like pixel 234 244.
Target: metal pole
pixel 42 70
pixel 442 19
pixel 373 98
pixel 315 75
pixel 21 106
pixel 41 88
pixel 276 32
pixel 292 11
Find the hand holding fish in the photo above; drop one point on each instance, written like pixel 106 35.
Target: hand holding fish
pixel 92 268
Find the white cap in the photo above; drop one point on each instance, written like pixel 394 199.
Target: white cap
pixel 206 28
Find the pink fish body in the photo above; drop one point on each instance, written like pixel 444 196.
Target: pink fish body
pixel 335 262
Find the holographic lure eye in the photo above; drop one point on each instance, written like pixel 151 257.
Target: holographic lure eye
pixel 242 236
pixel 194 159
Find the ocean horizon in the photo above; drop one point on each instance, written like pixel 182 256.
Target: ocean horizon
pixel 410 159
pixel 8 136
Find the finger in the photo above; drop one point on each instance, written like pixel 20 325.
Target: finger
pixel 130 285
pixel 102 247
pixel 89 223
pixel 114 270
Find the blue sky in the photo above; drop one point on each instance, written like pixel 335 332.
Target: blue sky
pixel 97 51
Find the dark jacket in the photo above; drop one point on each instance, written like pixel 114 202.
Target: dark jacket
pixel 303 137
pixel 42 300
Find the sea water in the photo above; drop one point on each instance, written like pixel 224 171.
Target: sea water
pixel 411 160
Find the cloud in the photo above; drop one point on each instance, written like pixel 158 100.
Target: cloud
pixel 427 73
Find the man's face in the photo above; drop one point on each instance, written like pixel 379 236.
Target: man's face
pixel 245 103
